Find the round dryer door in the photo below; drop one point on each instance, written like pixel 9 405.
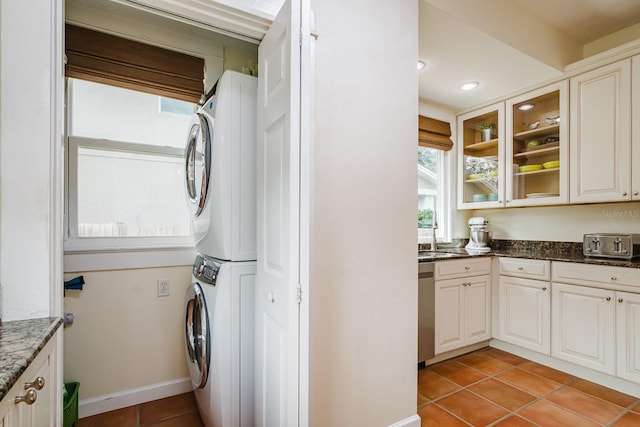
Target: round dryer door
pixel 197 335
pixel 198 162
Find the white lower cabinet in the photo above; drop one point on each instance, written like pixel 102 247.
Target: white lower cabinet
pixel 583 329
pixel 628 335
pixel 462 309
pixel 598 325
pixel 37 387
pixel 525 313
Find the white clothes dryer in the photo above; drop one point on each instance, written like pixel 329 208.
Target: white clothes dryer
pixel 220 169
pixel 219 332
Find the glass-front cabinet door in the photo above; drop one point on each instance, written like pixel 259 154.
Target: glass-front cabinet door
pixel 480 153
pixel 537 147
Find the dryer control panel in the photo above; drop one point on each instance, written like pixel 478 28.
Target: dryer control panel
pixel 206 269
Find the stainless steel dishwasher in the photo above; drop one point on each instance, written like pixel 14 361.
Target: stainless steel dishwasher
pixel 426 312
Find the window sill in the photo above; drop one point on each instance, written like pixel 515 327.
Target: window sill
pixel 124 259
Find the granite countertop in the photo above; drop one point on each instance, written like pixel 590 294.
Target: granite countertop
pixel 543 250
pixel 20 343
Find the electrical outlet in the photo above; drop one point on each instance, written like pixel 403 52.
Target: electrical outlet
pixel 163 287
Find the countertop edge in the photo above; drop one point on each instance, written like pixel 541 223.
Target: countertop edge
pixel 16 358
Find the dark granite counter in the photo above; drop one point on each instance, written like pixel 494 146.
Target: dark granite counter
pixel 20 343
pixel 552 251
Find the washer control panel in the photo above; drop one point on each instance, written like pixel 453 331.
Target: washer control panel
pixel 206 269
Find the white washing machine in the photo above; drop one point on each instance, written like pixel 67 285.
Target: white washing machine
pixel 220 163
pixel 219 326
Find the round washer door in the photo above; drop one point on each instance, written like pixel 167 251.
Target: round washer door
pixel 197 159
pixel 197 334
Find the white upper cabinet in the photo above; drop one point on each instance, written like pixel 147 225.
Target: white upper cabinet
pixel 537 147
pixel 635 127
pixel 600 135
pixel 480 158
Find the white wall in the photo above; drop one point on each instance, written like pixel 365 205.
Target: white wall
pixel 30 151
pixel 562 223
pixel 124 336
pixel 363 305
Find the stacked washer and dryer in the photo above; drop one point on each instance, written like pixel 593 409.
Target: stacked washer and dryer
pixel 220 162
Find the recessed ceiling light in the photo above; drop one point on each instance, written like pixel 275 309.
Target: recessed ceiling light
pixel 421 65
pixel 525 107
pixel 469 86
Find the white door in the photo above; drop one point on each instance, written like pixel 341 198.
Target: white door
pixel 583 327
pixel 600 134
pixel 449 313
pixel 281 85
pixel 525 313
pixel 628 331
pixel 477 311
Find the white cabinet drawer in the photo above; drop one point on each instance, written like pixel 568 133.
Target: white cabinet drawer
pixel 526 268
pixel 597 276
pixel 452 269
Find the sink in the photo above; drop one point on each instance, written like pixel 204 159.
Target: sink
pixel 422 255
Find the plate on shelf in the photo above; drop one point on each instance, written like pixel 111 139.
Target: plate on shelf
pixel 541 146
pixel 538 195
pixel 552 164
pixel 530 168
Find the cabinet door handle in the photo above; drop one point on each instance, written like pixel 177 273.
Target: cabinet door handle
pixel 467 268
pixel 635 193
pixel 544 289
pixel 624 193
pixel 29 398
pixel 608 298
pixel 620 300
pixel 38 384
pixel 614 278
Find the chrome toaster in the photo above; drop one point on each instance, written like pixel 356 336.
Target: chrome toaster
pixel 611 245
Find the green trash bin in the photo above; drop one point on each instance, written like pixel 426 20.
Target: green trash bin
pixel 70 402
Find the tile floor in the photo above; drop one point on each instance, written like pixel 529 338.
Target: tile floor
pixel 175 411
pixel 490 387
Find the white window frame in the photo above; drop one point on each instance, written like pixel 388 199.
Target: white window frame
pixel 86 253
pixel 443 204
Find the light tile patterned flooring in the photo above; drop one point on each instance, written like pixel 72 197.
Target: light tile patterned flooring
pixel 175 411
pixel 490 387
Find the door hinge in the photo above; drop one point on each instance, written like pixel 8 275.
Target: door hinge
pixel 299 294
pixel 300 38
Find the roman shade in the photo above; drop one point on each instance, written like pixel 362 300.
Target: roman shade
pixel 108 59
pixel 434 133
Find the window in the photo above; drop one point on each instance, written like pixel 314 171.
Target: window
pixel 430 162
pixel 434 192
pixel 125 173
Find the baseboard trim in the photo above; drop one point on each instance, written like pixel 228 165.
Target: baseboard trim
pixel 134 396
pixel 413 421
pixel 618 384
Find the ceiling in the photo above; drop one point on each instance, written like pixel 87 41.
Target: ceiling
pixel 505 45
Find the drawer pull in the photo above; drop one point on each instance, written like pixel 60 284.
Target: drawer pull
pixel 608 298
pixel 38 384
pixel 29 398
pixel 467 268
pixel 614 278
pixel 620 300
pixel 520 268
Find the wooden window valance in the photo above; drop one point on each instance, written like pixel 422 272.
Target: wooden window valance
pixel 434 133
pixel 108 59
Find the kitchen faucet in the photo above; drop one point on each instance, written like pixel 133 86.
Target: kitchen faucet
pixel 434 227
